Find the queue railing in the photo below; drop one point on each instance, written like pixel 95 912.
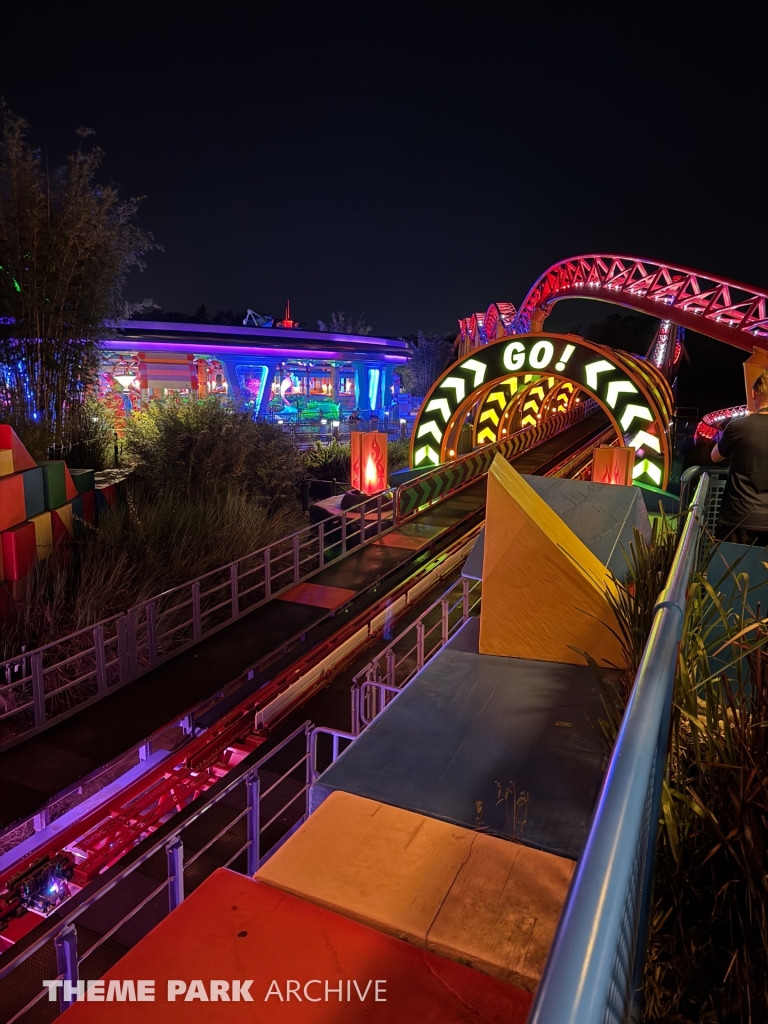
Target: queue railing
pixel 59 679
pixel 262 804
pixel 383 678
pixel 52 682
pixel 594 970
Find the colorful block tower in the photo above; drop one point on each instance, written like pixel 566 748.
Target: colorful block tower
pixel 41 505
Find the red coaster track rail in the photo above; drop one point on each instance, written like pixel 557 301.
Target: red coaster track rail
pixel 729 311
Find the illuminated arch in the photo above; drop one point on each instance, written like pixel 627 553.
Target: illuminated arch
pixel 633 394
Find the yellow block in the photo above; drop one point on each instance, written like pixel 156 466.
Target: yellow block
pixel 43 535
pixel 544 591
pixel 463 894
pixel 6 461
pixel 753 368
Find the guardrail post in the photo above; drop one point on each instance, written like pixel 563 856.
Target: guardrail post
pixel 295 558
pixel 343 533
pixel 267 573
pixel 38 687
pixel 196 610
pixel 151 614
pixel 321 544
pixel 378 510
pixel 444 620
pixel 130 644
pixel 420 645
pixel 233 590
pixel 174 852
pixel 464 599
pixel 122 651
pixel 100 659
pixel 391 668
pixel 65 945
pixel 308 771
pixel 355 711
pixel 313 773
pixel 252 789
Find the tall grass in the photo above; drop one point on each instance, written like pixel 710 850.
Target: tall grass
pixel 707 957
pixel 152 542
pixel 708 950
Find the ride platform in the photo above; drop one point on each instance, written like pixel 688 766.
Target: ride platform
pixel 234 928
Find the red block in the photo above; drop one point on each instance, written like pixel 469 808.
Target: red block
pixel 69 483
pixel 13 509
pixel 19 551
pixel 89 506
pixel 232 927
pixel 61 524
pixel 21 457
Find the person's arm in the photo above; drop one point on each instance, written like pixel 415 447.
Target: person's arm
pixel 724 446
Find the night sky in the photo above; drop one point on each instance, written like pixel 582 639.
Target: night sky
pixel 409 167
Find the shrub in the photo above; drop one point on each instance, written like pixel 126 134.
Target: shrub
pixel 192 446
pixel 398 453
pixel 327 462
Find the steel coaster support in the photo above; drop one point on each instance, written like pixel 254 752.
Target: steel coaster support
pixel 175 857
pixel 252 788
pixel 65 945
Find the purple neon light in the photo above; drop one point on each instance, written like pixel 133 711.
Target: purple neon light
pixel 132 326
pixel 135 344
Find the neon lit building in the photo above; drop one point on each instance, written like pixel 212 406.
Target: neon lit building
pixel 287 372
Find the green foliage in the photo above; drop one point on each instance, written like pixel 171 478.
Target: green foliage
pixel 708 952
pixel 66 247
pixel 398 453
pixel 340 323
pixel 633 603
pixel 327 462
pixel 194 446
pixel 152 542
pixel 431 355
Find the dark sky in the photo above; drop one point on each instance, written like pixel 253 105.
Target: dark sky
pixel 410 166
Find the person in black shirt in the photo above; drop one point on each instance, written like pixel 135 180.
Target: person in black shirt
pixel 744 510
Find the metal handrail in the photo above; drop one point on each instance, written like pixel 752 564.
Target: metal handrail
pixel 593 973
pixel 373 689
pixel 170 841
pixel 122 647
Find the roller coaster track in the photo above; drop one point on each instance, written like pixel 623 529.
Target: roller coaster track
pixel 729 311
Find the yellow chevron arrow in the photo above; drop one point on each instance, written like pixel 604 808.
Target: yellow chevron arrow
pixel 645 440
pixel 430 428
pixel 426 454
pixel 476 367
pixel 490 414
pixel 440 405
pixel 646 466
pixel 458 385
pixel 485 433
pixel 499 397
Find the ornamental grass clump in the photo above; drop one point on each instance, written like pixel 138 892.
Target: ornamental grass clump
pixel 708 950
pixel 150 543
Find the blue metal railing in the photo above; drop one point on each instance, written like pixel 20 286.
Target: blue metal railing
pixel 594 970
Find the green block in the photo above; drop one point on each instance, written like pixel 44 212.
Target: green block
pixel 54 484
pixel 83 479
